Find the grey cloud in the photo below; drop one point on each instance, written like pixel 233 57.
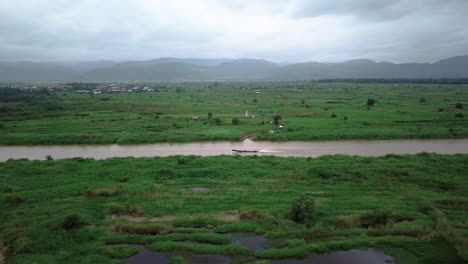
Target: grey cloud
pixel 280 30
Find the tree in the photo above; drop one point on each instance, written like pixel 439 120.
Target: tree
pixel 303 210
pixel 235 121
pixel 459 106
pixel 276 119
pixel 370 102
pixel 210 115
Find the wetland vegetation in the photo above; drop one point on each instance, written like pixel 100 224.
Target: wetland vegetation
pixel 203 111
pixel 411 207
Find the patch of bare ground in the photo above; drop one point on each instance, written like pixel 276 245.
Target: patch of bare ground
pixel 229 216
pixel 130 218
pixel 270 180
pixel 236 215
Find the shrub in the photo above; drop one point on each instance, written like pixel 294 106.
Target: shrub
pixel 210 115
pixel 371 102
pixel 254 100
pixel 459 106
pixel 422 100
pixel 333 115
pixel 235 121
pixel 2 126
pixel 459 115
pixel 321 172
pixel 49 157
pixel 302 101
pixel 165 173
pixel 218 121
pixel 71 221
pixel 276 119
pixel 303 210
pixel 345 118
pixel 440 110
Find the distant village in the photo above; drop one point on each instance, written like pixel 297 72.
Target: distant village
pixel 87 88
pixel 116 88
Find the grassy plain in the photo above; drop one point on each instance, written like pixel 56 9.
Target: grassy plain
pixel 413 207
pixel 309 111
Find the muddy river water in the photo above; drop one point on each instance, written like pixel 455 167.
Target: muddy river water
pixel 285 149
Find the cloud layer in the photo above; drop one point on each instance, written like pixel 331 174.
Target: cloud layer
pixel 278 30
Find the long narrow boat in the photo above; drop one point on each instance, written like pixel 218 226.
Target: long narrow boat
pixel 240 150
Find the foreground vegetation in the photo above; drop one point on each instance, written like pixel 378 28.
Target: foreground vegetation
pixel 412 207
pixel 306 110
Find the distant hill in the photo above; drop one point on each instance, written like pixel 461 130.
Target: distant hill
pixel 179 69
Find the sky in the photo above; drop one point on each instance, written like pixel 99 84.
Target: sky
pixel 278 30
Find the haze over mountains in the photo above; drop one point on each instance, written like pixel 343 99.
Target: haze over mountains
pixel 178 69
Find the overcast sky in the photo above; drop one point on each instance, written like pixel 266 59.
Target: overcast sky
pixel 277 30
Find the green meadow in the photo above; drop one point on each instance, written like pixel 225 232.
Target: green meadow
pixel 308 111
pixel 411 207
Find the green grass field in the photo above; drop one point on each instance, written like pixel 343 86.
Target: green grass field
pixel 412 207
pixel 309 111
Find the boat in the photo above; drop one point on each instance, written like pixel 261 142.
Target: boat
pixel 240 150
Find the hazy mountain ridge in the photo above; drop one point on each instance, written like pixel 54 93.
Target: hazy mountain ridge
pixel 179 69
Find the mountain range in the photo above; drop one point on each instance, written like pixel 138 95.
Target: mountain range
pixel 185 69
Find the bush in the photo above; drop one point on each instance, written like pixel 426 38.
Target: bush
pixel 321 172
pixel 210 115
pixel 71 221
pixel 459 106
pixel 235 121
pixel 333 115
pixel 422 100
pixel 303 210
pixel 345 118
pixel 218 121
pixel 459 115
pixel 254 100
pixel 371 102
pixel 276 119
pixel 49 157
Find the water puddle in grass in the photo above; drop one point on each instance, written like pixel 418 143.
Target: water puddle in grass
pixel 354 256
pixel 255 243
pixel 145 256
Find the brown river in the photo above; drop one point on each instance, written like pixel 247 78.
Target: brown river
pixel 284 149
